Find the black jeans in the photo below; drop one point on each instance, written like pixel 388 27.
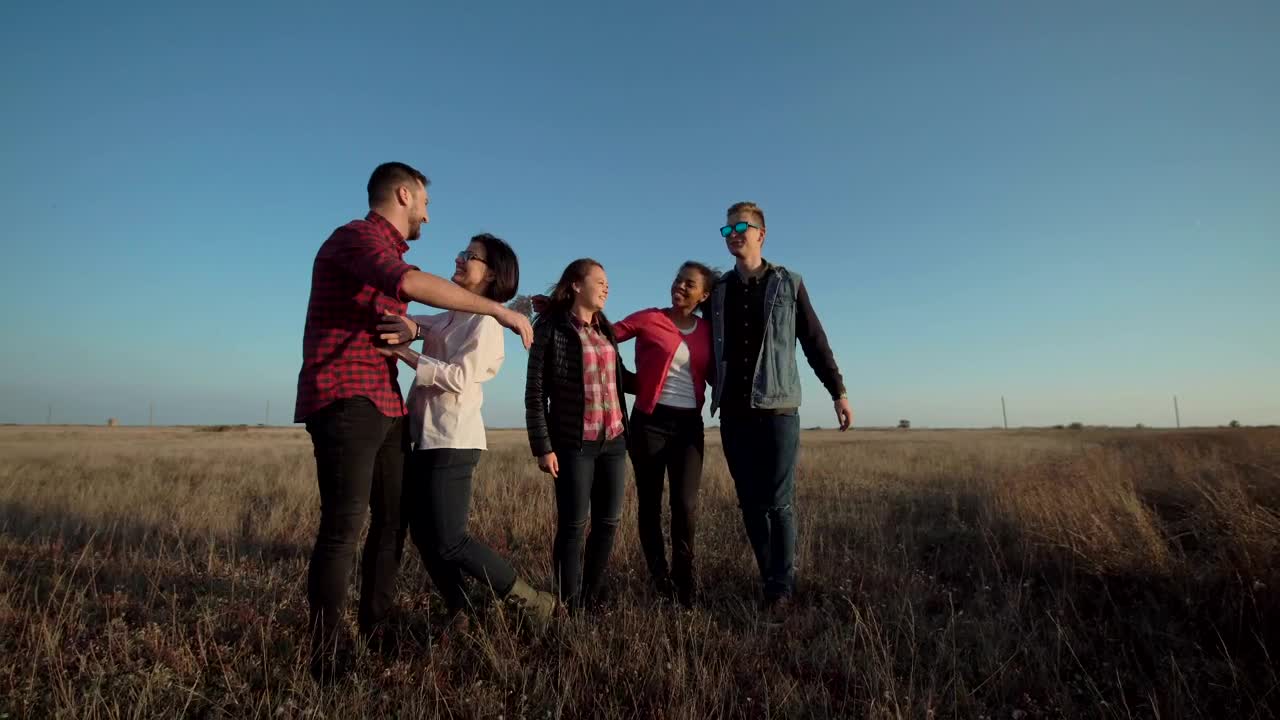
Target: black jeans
pixel 590 483
pixel 359 468
pixel 668 443
pixel 438 505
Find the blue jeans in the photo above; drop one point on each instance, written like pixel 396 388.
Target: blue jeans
pixel 590 485
pixel 761 451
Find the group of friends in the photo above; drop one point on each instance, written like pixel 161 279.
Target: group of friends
pixel 406 465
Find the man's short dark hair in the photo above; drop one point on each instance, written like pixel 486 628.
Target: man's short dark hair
pixel 502 261
pixel 389 176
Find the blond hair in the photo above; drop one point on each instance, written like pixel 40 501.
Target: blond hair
pixel 747 207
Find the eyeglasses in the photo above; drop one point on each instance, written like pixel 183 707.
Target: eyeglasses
pixel 739 228
pixel 467 255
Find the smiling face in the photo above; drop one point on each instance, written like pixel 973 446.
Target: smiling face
pixel 471 269
pixel 415 199
pixel 689 289
pixel 593 290
pixel 746 234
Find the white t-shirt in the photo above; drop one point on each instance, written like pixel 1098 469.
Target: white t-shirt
pixel 677 389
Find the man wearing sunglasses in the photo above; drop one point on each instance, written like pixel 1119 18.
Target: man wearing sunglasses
pixel 759 311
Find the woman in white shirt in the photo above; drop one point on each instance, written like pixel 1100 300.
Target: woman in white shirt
pixel 460 351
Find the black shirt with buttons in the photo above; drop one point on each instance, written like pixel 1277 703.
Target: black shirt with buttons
pixel 744 323
pixel 743 334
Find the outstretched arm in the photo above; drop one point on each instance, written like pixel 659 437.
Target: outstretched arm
pixel 434 290
pixel 377 264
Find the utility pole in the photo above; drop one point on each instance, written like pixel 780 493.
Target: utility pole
pixel 1004 411
pixel 1177 417
pixel 151 414
pixel 267 421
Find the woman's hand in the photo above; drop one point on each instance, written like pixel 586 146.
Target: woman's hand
pixel 549 464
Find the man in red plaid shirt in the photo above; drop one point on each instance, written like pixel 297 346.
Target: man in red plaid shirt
pixel 350 400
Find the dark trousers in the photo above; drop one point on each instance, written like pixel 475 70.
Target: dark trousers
pixel 359 468
pixel 590 484
pixel 668 443
pixel 438 505
pixel 761 451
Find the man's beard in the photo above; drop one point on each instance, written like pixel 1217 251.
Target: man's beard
pixel 415 230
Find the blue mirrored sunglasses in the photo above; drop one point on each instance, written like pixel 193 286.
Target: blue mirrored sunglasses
pixel 739 228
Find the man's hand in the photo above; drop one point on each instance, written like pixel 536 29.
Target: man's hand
pixel 402 352
pixel 397 329
pixel 516 323
pixel 549 464
pixel 844 414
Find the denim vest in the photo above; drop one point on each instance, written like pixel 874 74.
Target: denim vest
pixel 776 384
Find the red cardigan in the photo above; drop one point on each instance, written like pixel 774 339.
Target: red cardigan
pixel 656 341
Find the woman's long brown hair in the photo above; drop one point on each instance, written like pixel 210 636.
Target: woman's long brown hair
pixel 562 295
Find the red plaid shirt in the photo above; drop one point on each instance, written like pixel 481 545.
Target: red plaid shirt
pixel 602 413
pixel 356 278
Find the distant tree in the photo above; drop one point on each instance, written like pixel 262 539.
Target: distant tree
pixel 522 304
pixel 904 424
pixel 1235 423
pixel 1076 426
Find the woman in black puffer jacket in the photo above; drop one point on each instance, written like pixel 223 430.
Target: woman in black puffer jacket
pixel 577 423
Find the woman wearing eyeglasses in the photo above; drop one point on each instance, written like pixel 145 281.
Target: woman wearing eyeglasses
pixel 460 351
pixel 577 422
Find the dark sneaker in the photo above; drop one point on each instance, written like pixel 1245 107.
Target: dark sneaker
pixel 664 588
pixel 687 595
pixel 331 668
pixel 777 608
pixel 598 599
pixel 384 641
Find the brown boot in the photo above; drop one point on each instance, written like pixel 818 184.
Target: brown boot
pixel 538 606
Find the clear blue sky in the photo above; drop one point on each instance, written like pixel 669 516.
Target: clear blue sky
pixel 1075 205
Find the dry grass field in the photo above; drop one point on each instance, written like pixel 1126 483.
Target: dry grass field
pixel 1055 574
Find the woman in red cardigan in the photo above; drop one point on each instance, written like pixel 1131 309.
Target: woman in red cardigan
pixel 673 366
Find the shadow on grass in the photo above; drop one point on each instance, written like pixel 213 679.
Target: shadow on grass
pixel 956 559
pixel 72 532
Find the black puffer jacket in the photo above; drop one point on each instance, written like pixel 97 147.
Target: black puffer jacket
pixel 553 395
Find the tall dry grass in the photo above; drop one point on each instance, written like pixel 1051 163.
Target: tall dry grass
pixel 160 573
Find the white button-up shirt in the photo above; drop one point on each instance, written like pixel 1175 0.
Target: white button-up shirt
pixel 459 352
